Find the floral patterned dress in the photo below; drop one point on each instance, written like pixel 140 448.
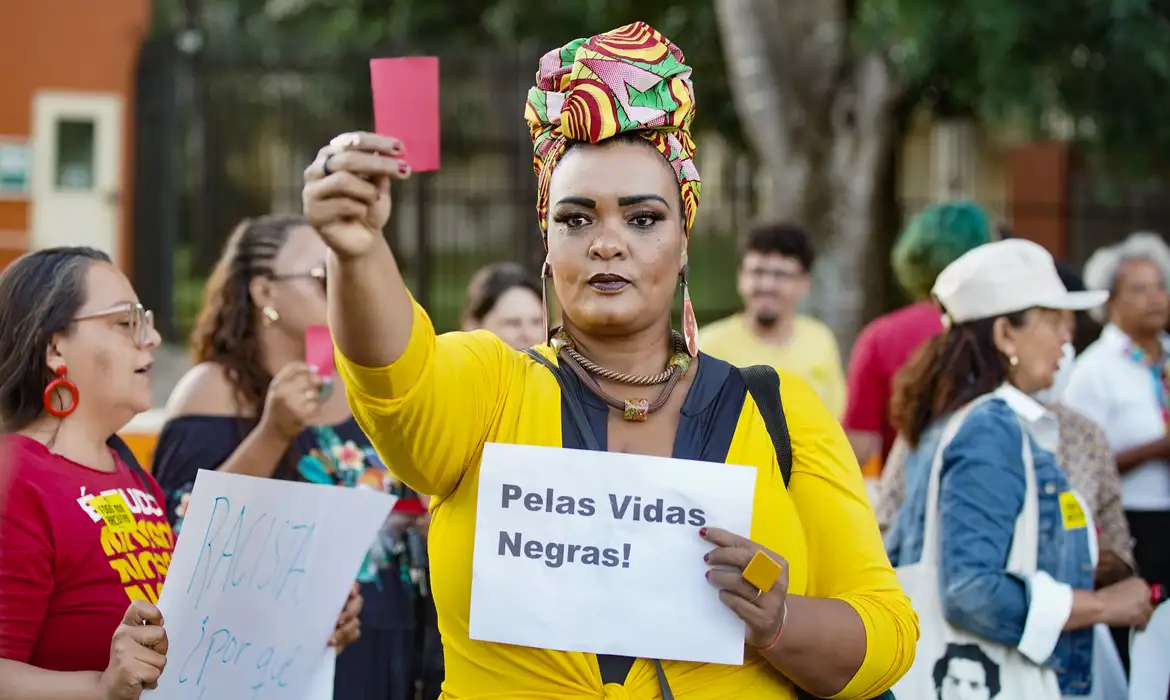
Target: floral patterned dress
pixel 346 463
pixel 380 665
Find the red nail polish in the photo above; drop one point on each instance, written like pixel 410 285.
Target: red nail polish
pixel 702 532
pixel 403 169
pixel 707 575
pixel 706 557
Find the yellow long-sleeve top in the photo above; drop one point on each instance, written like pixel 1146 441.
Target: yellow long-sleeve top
pixel 430 413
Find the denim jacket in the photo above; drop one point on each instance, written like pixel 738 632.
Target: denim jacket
pixel 981 493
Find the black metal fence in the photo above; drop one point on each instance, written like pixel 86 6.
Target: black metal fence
pixel 1104 211
pixel 1099 211
pixel 225 134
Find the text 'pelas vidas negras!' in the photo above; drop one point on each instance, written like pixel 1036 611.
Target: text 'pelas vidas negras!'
pixel 616 506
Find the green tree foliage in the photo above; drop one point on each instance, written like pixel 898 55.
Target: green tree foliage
pixel 1092 70
pixel 1097 68
pixel 333 28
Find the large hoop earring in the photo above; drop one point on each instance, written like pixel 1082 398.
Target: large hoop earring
pixel 51 391
pixel 544 301
pixel 690 324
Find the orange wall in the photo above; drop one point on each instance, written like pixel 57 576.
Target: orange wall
pixel 69 45
pixel 1038 180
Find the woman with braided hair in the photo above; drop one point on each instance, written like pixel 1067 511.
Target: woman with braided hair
pixel 610 118
pixel 251 406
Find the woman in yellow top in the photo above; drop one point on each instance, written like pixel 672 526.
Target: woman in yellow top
pixel 617 195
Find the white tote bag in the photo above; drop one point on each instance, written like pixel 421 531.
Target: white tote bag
pixel 1149 658
pixel 964 661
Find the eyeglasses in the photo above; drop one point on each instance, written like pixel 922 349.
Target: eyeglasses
pixel 759 274
pixel 138 320
pixel 317 274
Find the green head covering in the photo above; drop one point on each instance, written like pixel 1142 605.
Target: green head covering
pixel 933 240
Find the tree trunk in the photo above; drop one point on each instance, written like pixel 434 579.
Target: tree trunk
pixel 821 118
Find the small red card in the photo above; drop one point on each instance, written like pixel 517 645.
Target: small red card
pixel 319 350
pixel 406 106
pixel 409 506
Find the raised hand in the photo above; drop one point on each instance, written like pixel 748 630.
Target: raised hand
pixel 346 196
pixel 293 398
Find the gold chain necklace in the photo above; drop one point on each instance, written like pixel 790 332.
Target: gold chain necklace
pixel 633 409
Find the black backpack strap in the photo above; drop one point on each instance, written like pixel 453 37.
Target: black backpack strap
pixel 763 383
pixel 123 451
pixel 576 411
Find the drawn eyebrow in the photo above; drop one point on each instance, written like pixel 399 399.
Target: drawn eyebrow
pixel 625 201
pixel 639 198
pixel 580 201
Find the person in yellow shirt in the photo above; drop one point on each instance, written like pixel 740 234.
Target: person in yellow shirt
pixel 617 195
pixel 773 281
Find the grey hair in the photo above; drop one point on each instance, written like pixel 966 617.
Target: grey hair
pixel 1101 269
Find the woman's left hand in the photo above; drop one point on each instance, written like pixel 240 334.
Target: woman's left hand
pixel 348 625
pixel 762 611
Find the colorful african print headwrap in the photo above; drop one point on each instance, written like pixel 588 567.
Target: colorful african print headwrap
pixel 631 79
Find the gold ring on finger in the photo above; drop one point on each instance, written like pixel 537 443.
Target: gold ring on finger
pixel 756 596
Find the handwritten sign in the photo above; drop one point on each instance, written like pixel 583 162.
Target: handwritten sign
pixel 258 578
pixel 599 552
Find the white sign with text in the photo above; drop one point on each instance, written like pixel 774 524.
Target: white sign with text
pixel 600 552
pixel 259 576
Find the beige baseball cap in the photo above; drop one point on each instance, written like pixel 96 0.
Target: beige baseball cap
pixel 1005 277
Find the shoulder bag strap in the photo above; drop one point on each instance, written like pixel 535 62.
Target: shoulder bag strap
pixel 931 540
pixel 577 415
pixel 763 383
pixel 1026 538
pixel 126 455
pixel 571 402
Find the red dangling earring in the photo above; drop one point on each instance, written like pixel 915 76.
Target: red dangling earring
pixel 690 325
pixel 51 391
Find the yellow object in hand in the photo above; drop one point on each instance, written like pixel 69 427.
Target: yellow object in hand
pixel 762 571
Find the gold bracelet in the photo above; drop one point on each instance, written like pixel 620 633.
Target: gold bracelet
pixel 783 622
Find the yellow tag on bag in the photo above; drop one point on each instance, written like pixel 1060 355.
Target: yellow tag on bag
pixel 1071 512
pixel 115 512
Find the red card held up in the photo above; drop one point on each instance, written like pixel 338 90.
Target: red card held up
pixel 406 106
pixel 319 350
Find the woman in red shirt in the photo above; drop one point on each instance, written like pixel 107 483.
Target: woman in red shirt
pixel 82 533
